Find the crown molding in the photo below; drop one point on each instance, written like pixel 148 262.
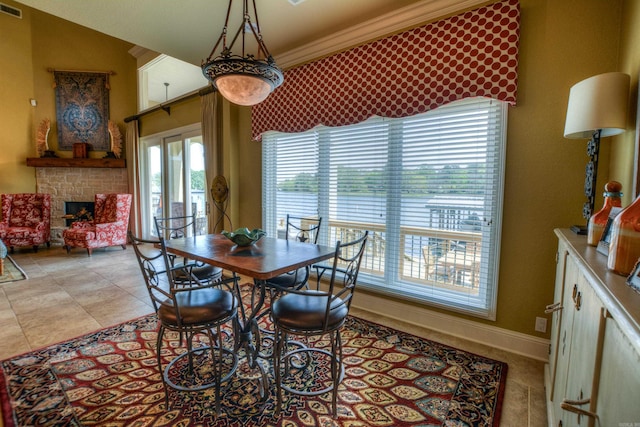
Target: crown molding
pixel 394 22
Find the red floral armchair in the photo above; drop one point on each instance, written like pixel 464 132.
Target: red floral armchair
pixel 109 227
pixel 26 220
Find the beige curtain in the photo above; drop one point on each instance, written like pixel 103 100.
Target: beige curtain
pixel 210 117
pixel 133 174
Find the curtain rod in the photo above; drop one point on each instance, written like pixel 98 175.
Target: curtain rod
pixel 53 70
pixel 166 106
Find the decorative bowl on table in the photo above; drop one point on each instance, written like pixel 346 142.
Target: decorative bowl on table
pixel 244 237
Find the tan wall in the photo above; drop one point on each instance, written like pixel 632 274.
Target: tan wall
pixel 16 114
pixel 562 42
pixel 623 148
pixel 30 47
pixel 545 172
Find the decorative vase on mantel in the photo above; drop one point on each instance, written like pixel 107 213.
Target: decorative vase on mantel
pixel 598 221
pixel 624 246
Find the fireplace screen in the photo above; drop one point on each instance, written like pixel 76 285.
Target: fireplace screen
pixel 78 211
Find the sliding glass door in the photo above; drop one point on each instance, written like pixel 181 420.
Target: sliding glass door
pixel 173 178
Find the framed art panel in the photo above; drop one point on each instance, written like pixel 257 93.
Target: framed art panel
pixel 82 109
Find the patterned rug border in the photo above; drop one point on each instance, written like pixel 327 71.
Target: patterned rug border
pixel 17 267
pixel 382 332
pixel 503 377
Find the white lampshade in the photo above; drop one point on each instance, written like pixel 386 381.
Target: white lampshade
pixel 598 103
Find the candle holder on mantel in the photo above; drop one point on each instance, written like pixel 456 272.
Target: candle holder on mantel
pixel 598 221
pixel 624 246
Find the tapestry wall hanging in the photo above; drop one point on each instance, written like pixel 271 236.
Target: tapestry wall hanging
pixel 82 109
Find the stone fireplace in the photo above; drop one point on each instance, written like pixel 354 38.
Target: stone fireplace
pixel 78 211
pixel 76 184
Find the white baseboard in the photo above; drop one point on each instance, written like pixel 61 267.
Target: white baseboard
pixel 504 339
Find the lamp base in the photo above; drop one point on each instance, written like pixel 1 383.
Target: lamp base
pixel 579 229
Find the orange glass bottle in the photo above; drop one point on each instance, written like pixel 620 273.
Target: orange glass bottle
pixel 624 247
pixel 598 221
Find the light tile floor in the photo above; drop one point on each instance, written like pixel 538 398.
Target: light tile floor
pixel 67 295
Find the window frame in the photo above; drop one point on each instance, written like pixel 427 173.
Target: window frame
pixel 184 136
pixel 484 304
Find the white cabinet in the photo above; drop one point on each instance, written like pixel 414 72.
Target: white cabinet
pixel 593 375
pixel 619 389
pixel 558 337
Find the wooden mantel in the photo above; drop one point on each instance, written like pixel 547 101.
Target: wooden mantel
pixel 57 162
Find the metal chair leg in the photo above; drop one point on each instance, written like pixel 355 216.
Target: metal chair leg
pixel 160 370
pixel 336 364
pixel 277 359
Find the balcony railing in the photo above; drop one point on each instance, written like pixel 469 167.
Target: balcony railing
pixel 428 256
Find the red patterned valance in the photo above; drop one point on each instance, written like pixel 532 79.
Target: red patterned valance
pixel 472 54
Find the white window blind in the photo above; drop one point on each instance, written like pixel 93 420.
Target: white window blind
pixel 428 188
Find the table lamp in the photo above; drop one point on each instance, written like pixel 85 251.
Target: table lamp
pixel 597 108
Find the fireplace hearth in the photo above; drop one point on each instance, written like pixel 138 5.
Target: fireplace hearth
pixel 78 211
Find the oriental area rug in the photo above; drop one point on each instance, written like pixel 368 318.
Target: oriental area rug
pixel 12 272
pixel 110 378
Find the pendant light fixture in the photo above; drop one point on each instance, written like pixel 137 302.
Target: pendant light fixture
pixel 245 79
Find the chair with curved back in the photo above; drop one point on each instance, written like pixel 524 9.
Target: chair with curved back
pixel 175 227
pixel 109 227
pixel 313 312
pixel 192 310
pixel 302 229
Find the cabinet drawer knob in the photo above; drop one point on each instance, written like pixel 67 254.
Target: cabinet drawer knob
pixel 576 296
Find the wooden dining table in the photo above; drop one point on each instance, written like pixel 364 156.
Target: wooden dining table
pixel 267 258
pixel 261 261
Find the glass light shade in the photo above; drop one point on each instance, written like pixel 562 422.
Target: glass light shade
pixel 598 103
pixel 243 89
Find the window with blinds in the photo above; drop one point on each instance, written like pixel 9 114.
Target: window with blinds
pixel 427 187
